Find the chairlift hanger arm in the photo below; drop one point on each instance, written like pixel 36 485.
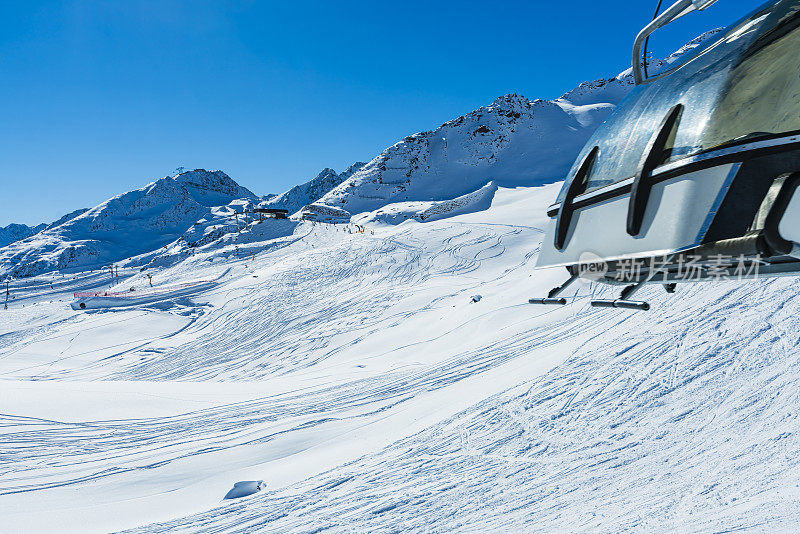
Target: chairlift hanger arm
pixel 576 186
pixel 672 13
pixel 652 157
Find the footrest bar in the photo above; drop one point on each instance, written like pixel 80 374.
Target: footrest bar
pixel 554 301
pixel 620 303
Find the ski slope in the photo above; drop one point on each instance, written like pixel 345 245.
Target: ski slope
pixel 353 373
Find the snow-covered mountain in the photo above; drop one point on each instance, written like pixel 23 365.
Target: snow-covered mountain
pixel 212 188
pixel 133 223
pixel 15 232
pixel 306 193
pixel 513 141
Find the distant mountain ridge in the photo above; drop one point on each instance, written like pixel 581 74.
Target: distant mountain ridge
pixel 301 195
pixel 16 232
pixel 65 218
pixel 129 224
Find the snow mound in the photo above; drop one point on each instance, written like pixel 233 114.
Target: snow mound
pixel 324 213
pixel 430 211
pixel 245 488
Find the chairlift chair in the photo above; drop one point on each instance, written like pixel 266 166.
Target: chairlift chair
pixel 699 165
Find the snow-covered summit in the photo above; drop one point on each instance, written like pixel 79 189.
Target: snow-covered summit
pixel 129 224
pixel 212 188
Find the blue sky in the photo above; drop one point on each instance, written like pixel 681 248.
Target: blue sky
pixel 97 98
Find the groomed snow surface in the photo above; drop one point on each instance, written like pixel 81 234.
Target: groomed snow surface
pixel 353 373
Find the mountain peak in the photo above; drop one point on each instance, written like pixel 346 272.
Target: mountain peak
pixel 301 195
pixel 126 225
pixel 511 104
pixel 514 141
pixel 212 188
pixel 327 171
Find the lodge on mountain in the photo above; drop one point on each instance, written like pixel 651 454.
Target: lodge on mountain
pixel 274 213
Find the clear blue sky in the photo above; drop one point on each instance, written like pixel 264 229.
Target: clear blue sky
pixel 97 98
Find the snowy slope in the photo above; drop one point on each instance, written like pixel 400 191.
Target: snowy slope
pixel 354 375
pixel 65 218
pixel 306 193
pixel 127 225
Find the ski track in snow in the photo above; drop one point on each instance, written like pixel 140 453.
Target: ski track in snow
pixel 687 422
pixel 563 419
